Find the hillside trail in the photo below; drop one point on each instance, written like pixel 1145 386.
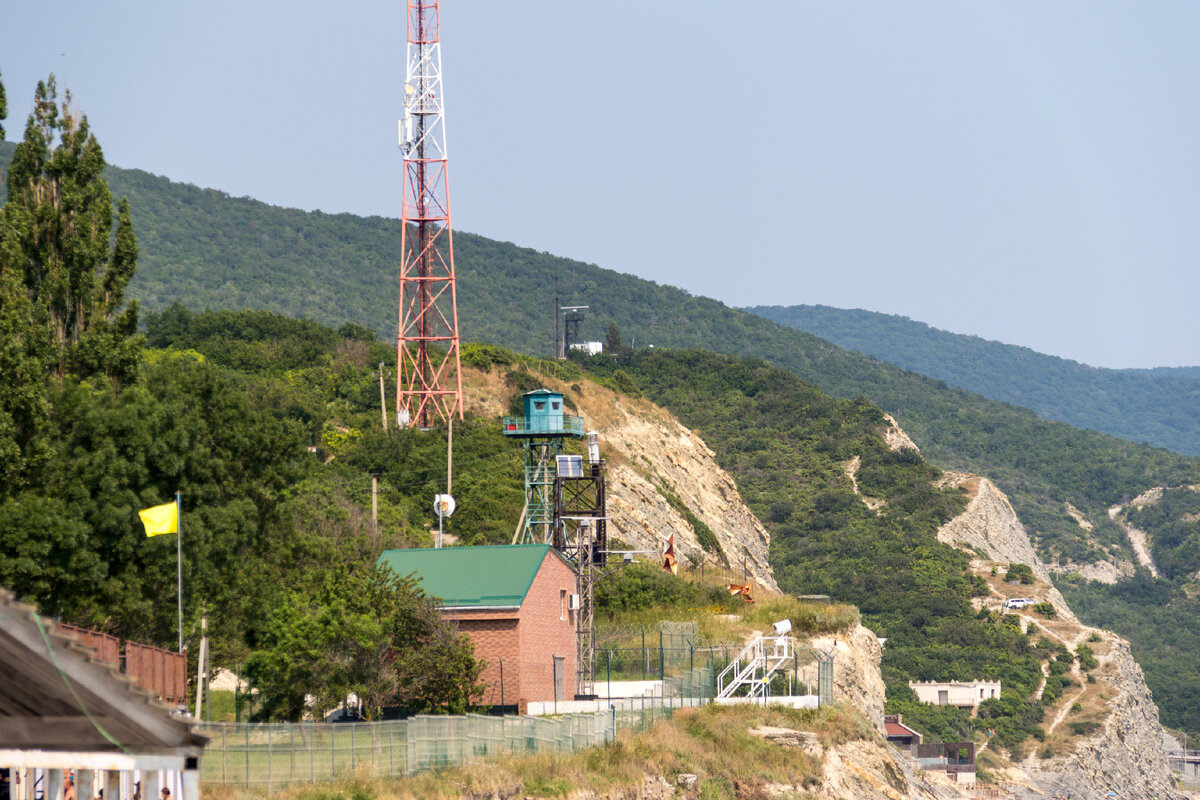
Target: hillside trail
pixel 1076 673
pixel 1137 541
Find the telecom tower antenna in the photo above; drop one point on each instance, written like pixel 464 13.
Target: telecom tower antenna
pixel 429 377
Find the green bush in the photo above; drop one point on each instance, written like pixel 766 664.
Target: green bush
pixel 1087 658
pixel 1019 573
pixel 1045 609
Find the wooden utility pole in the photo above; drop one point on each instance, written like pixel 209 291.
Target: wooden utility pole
pixel 375 505
pixel 382 398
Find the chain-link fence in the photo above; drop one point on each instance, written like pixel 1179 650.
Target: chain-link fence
pixel 272 755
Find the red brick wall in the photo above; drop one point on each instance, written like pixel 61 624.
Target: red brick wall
pixel 496 640
pixel 544 634
pixel 527 639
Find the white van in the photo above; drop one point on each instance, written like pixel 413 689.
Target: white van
pixel 1018 602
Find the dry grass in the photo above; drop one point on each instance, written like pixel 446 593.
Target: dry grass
pixel 735 621
pixel 714 743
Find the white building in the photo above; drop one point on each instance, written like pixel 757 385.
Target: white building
pixel 589 348
pixel 963 694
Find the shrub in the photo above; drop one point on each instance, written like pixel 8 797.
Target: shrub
pixel 1087 658
pixel 1019 573
pixel 1045 609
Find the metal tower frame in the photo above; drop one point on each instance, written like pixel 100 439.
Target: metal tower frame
pixel 429 377
pixel 581 533
pixel 541 471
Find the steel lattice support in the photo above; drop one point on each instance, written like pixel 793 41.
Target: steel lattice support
pixel 581 533
pixel 428 378
pixel 540 474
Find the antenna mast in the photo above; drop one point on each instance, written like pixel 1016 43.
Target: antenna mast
pixel 429 375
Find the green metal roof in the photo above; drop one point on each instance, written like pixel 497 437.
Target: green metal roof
pixel 472 577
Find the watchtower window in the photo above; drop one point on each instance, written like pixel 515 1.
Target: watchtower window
pixel 555 405
pixel 540 405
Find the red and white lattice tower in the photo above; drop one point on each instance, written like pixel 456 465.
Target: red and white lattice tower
pixel 429 378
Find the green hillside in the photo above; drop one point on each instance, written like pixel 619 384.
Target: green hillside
pixel 1160 406
pixel 267 425
pixel 208 250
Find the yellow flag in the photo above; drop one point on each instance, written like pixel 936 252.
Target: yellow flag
pixel 160 519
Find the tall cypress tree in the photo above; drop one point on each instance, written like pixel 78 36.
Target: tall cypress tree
pixel 62 279
pixel 58 236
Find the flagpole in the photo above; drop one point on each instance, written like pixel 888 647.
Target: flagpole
pixel 179 560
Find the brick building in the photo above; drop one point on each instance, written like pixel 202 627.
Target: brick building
pixel 515 602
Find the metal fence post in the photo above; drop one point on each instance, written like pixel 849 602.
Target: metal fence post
pixel 269 771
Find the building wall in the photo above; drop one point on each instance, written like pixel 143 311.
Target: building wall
pixel 527 639
pixel 546 631
pixel 496 642
pixel 962 694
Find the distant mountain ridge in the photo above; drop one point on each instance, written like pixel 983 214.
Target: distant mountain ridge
pixel 1158 406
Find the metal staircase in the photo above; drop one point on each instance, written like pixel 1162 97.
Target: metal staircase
pixel 754 667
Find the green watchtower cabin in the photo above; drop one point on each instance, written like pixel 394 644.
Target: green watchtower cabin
pixel 543 417
pixel 543 432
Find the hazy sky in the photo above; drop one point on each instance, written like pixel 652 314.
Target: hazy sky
pixel 1023 171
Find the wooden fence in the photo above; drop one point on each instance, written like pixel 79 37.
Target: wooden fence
pixel 160 672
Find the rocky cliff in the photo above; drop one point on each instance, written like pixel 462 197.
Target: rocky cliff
pixel 990 528
pixel 659 474
pixel 1125 754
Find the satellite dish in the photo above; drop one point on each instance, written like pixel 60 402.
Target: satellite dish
pixel 443 505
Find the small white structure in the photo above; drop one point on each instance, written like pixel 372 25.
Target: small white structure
pixel 962 694
pixel 589 348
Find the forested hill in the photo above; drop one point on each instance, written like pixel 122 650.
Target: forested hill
pixel 1159 406
pixel 205 249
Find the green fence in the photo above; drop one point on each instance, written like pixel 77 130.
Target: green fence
pixel 271 755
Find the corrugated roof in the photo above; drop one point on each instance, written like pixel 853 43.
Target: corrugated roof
pixel 472 577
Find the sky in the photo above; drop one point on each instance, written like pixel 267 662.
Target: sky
pixel 1027 172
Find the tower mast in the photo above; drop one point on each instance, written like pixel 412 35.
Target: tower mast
pixel 429 375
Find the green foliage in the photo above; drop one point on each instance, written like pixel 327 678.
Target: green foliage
pixel 1010 720
pixel 1019 573
pixel 485 356
pixel 1172 530
pixel 364 631
pixel 1083 728
pixel 58 234
pixel 787 445
pixel 1155 406
pixel 1087 658
pixel 643 585
pixel 1045 609
pixel 1154 615
pixel 305 264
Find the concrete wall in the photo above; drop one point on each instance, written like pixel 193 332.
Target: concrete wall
pixel 963 694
